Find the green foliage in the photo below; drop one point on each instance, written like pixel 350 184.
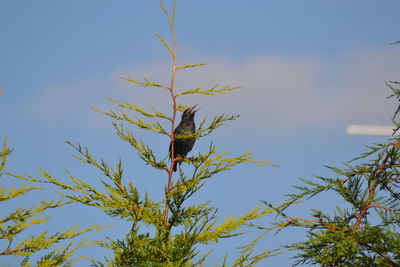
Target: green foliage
pixel 367 232
pixel 13 225
pixel 247 258
pixel 164 232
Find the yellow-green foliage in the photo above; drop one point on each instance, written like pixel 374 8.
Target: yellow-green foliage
pixel 164 232
pixel 365 232
pixel 17 222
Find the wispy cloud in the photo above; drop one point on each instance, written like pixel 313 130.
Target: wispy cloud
pixel 281 93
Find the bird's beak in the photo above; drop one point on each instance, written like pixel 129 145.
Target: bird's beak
pixel 193 110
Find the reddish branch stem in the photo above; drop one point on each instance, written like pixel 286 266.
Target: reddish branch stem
pixel 371 190
pixel 10 252
pixel 382 207
pixel 174 106
pixel 333 227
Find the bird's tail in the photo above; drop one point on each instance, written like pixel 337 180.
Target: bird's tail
pixel 175 166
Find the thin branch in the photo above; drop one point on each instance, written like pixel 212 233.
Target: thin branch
pixel 174 107
pixel 286 223
pixel 371 191
pixel 382 207
pixel 383 255
pixel 13 251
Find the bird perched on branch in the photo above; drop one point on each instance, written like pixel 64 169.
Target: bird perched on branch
pixel 182 146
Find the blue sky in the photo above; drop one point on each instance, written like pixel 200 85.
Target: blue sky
pixel 308 68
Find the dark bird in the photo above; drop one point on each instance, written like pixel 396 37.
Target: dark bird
pixel 182 146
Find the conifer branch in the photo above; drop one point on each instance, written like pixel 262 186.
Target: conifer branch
pixel 155 127
pixel 164 232
pixel 145 83
pixel 18 221
pixel 186 66
pixel 171 19
pixel 227 229
pixel 213 91
pixel 132 107
pixel 368 184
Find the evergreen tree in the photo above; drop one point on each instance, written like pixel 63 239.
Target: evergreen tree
pixel 13 227
pixel 366 232
pixel 166 232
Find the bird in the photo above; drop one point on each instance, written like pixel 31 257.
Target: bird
pixel 182 146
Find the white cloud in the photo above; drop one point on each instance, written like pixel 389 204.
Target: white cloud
pixel 281 93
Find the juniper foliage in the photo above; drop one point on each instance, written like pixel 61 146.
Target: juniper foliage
pixel 366 233
pixel 166 232
pixel 15 225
